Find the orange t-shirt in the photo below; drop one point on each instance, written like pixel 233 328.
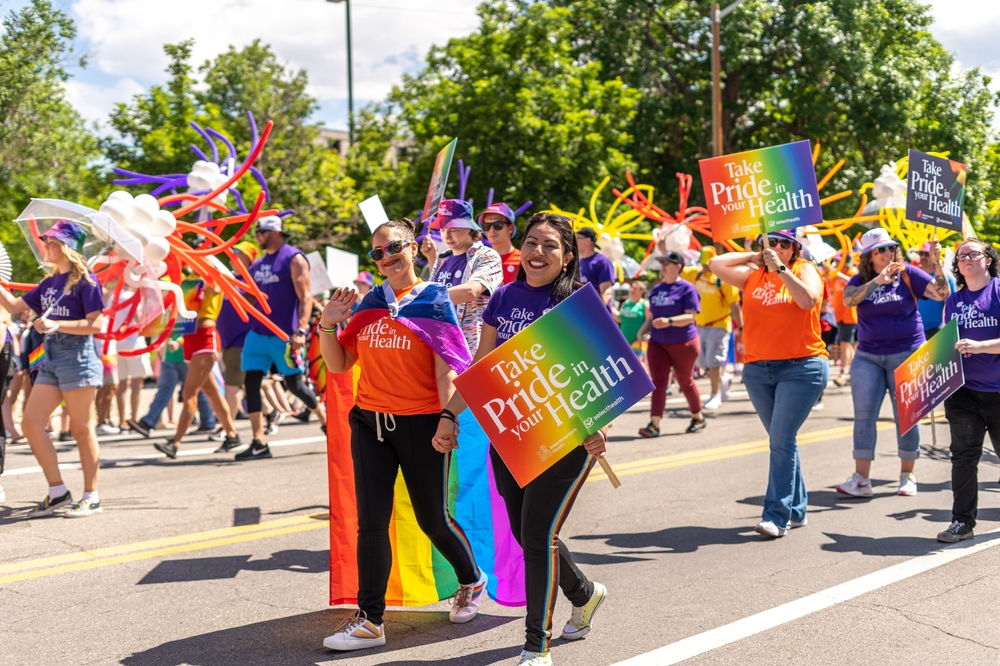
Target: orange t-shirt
pixel 510 262
pixel 397 369
pixel 774 327
pixel 842 313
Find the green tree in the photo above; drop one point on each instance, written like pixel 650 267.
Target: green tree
pixel 531 121
pixel 45 147
pixel 863 77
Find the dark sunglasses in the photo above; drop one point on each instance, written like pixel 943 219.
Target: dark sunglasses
pixel 388 250
pixel 494 226
pixel 260 232
pixel 884 249
pixel 924 254
pixel 783 243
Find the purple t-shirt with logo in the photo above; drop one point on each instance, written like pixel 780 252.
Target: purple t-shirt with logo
pixel 597 269
pixel 516 305
pixel 888 320
pixel 978 315
pixel 232 330
pixel 83 299
pixel 673 300
pixel 453 270
pixel 273 274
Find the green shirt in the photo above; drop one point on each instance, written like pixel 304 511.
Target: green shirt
pixel 633 316
pixel 178 355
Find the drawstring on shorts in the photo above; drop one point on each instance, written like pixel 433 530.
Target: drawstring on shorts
pixel 378 426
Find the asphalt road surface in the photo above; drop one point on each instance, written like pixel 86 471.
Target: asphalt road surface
pixel 205 561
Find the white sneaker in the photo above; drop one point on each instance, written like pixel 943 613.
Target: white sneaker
pixel 818 406
pixel 105 429
pixel 769 529
pixel 727 383
pixel 792 524
pixel 907 484
pixel 467 600
pixel 714 402
pixel 534 659
pixel 857 486
pixel 582 618
pixel 356 633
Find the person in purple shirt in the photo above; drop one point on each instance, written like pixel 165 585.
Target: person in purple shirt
pixel 673 342
pixel 594 267
pixel 70 307
pixel 974 409
pixel 282 274
pixel 886 292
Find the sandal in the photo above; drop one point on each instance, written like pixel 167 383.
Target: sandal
pixel 649 431
pixel 697 425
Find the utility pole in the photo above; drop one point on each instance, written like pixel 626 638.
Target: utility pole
pixel 717 75
pixel 350 74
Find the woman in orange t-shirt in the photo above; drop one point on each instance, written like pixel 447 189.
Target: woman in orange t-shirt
pixel 402 388
pixel 786 366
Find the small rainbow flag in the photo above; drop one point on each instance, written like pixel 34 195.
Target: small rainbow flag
pixel 36 357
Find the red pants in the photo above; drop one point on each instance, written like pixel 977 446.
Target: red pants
pixel 681 357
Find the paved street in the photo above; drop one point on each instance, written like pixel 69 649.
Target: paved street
pixel 205 561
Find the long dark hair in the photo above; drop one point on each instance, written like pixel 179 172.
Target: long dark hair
pixel 991 254
pixel 867 268
pixel 568 280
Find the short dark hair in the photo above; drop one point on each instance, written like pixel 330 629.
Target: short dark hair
pixel 568 280
pixel 988 250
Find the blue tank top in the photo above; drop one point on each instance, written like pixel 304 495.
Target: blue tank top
pixel 273 274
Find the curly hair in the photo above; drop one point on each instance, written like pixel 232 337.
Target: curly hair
pixel 988 250
pixel 568 280
pixel 867 268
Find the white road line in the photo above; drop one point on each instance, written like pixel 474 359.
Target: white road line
pixel 155 456
pixel 755 624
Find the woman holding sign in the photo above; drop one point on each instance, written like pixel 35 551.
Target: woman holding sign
pixel 974 409
pixel 786 366
pixel 399 396
pixel 549 273
pixel 886 292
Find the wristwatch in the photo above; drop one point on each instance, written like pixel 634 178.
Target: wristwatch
pixel 782 268
pixel 301 331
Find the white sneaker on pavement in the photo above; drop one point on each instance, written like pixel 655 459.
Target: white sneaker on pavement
pixel 713 402
pixel 582 617
pixel 856 486
pixel 467 600
pixel 769 529
pixel 727 383
pixel 356 633
pixel 907 484
pixel 792 524
pixel 105 429
pixel 534 659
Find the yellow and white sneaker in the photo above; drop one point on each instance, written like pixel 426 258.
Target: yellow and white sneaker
pixel 356 633
pixel 583 616
pixel 534 659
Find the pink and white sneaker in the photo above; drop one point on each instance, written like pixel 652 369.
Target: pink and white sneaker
pixel 467 600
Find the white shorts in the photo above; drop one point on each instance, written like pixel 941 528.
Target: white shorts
pixel 134 367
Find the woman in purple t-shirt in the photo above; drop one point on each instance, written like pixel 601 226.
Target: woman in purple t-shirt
pixel 70 304
pixel 974 409
pixel 673 342
pixel 549 273
pixel 886 292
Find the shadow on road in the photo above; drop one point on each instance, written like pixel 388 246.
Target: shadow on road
pixel 298 640
pixel 671 540
pixel 227 567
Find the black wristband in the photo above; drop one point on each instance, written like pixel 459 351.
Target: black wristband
pixel 448 414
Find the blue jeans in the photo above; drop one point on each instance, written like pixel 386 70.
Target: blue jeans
pixel 172 374
pixel 783 393
pixel 871 377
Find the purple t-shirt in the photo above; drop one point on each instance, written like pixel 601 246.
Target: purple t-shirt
pixel 273 274
pixel 673 300
pixel 978 315
pixel 81 301
pixel 597 269
pixel 516 305
pixel 888 320
pixel 453 270
pixel 232 330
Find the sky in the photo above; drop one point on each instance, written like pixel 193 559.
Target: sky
pixel 124 41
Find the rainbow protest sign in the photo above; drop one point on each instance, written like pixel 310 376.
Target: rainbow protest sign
pixel 935 190
pixel 932 373
pixel 552 385
pixel 772 188
pixel 439 180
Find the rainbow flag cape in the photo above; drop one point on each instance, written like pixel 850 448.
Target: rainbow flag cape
pixel 420 574
pixel 36 356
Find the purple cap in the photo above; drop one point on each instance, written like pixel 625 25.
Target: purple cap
pixel 364 277
pixel 497 209
pixel 454 214
pixel 68 233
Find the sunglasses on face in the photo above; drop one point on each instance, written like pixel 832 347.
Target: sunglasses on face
pixel 884 249
pixel 970 256
pixel 388 250
pixel 260 232
pixel 783 243
pixel 923 254
pixel 494 226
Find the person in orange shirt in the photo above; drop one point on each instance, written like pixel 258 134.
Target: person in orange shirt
pixel 404 384
pixel 500 225
pixel 847 321
pixel 786 365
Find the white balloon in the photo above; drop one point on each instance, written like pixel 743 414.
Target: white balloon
pixel 157 249
pixel 140 231
pixel 117 209
pixel 159 268
pixel 199 165
pixel 148 205
pixel 211 167
pixel 120 195
pixel 163 224
pixel 198 181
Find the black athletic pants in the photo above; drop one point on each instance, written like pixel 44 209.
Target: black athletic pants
pixel 536 514
pixel 405 446
pixel 971 414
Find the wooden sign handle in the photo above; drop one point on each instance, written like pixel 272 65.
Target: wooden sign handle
pixel 612 477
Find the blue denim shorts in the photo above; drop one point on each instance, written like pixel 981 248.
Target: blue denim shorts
pixel 71 362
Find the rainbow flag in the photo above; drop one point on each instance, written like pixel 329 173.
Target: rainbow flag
pixel 36 356
pixel 420 574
